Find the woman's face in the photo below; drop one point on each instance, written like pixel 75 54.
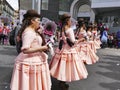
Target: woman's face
pixel 36 23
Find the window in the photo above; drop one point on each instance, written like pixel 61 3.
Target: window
pixel 44 4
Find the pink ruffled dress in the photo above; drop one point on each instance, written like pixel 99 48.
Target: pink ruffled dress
pixel 91 42
pixel 97 41
pixel 31 71
pixel 89 56
pixel 66 65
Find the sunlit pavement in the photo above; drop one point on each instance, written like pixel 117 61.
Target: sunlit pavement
pixel 104 75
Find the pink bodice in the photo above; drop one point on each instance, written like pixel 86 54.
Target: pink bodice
pixel 89 33
pixel 31 39
pixel 82 34
pixel 70 35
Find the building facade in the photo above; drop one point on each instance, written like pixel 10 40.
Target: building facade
pixel 106 11
pixel 47 8
pixel 7 13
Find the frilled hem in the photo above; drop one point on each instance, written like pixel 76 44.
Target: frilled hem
pixel 88 55
pixel 30 77
pixel 68 67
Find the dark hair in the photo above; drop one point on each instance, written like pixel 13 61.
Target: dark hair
pixel 5 24
pixel 26 22
pixel 64 19
pixel 88 27
pixel 27 17
pixel 31 13
pixel 49 27
pixel 43 38
pixel 80 24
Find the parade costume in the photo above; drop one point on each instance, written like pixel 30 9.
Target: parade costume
pixel 31 71
pixel 96 39
pixel 91 42
pixel 66 65
pixel 85 49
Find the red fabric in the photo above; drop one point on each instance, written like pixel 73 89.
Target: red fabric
pixel 50 33
pixel 0 30
pixel 6 31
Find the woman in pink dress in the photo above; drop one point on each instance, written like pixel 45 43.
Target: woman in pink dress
pixel 90 39
pixel 31 70
pixel 89 57
pixel 66 65
pixel 96 37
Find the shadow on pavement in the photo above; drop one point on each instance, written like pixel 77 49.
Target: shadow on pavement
pixel 111 64
pixel 114 67
pixel 111 86
pixel 111 57
pixel 5 77
pixel 112 75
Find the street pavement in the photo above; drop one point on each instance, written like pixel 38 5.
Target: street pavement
pixel 104 75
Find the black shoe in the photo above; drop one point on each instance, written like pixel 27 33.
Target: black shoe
pixel 63 85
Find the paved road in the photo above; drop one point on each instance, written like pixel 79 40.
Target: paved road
pixel 104 75
pixel 7 56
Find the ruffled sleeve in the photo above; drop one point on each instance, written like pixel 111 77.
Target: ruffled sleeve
pixel 27 39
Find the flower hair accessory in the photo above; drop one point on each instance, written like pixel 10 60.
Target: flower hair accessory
pixel 49 28
pixel 46 32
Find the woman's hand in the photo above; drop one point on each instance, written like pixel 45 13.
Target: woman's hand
pixel 81 40
pixel 44 48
